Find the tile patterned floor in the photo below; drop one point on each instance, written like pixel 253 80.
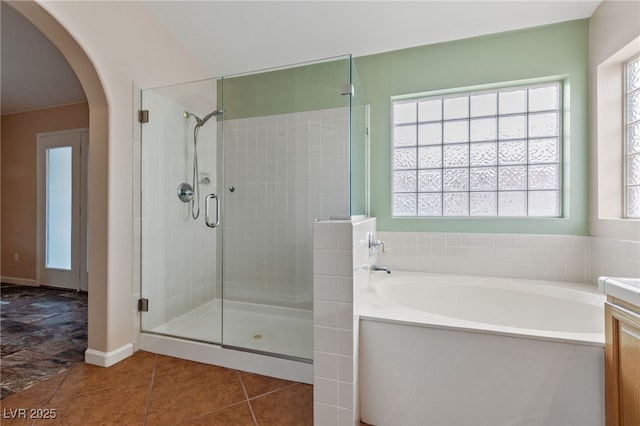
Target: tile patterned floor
pixel 43 335
pixel 43 332
pixel 149 389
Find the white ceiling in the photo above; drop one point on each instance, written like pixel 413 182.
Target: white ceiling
pixel 231 37
pixel 240 36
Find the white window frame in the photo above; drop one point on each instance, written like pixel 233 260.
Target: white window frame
pixel 477 91
pixel 625 185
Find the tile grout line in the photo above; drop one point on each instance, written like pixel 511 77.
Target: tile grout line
pixel 217 410
pixel 273 391
pixel 153 375
pixel 66 376
pixel 246 395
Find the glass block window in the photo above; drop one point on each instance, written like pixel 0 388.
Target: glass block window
pixel 489 153
pixel 632 138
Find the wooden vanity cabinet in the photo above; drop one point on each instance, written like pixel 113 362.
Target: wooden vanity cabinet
pixel 622 363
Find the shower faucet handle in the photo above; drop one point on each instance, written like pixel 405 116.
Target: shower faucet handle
pixel 374 243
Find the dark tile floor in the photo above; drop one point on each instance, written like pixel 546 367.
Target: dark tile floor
pixel 43 331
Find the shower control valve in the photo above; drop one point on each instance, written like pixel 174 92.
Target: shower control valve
pixel 373 244
pixel 185 192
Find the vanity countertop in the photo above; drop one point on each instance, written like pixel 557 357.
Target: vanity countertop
pixel 627 289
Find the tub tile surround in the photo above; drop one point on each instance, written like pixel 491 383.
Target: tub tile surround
pixel 341 261
pixel 545 257
pixel 341 265
pixel 614 258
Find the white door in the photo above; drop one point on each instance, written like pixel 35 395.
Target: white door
pixel 62 213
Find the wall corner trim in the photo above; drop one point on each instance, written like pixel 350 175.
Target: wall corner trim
pixel 107 359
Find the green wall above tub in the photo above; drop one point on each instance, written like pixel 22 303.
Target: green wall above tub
pixel 559 50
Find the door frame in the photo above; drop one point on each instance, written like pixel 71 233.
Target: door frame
pixel 79 141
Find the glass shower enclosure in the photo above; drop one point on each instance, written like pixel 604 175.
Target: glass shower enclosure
pixel 234 171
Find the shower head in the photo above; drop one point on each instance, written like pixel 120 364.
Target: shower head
pixel 200 121
pixel 208 116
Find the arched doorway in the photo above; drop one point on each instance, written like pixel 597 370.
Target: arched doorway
pixel 98 173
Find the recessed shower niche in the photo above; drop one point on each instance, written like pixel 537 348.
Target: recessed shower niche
pixel 233 173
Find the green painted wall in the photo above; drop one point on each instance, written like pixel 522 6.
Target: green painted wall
pixel 303 88
pixel 554 50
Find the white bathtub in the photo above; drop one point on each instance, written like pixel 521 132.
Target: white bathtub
pixel 458 350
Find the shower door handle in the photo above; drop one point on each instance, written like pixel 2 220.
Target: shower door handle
pixel 206 211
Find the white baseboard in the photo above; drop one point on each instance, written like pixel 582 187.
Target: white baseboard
pixel 19 281
pixel 107 359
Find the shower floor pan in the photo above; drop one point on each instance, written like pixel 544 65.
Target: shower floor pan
pixel 255 327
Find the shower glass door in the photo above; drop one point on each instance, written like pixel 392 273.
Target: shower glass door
pixel 285 164
pixel 232 174
pixel 179 251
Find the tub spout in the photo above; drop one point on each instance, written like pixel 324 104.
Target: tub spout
pixel 380 268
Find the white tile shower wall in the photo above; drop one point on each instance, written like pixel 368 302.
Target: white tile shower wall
pixel 286 170
pixel 614 258
pixel 176 270
pixel 547 257
pixel 362 261
pixel 340 265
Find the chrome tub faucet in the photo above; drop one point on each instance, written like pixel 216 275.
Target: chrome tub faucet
pixel 380 268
